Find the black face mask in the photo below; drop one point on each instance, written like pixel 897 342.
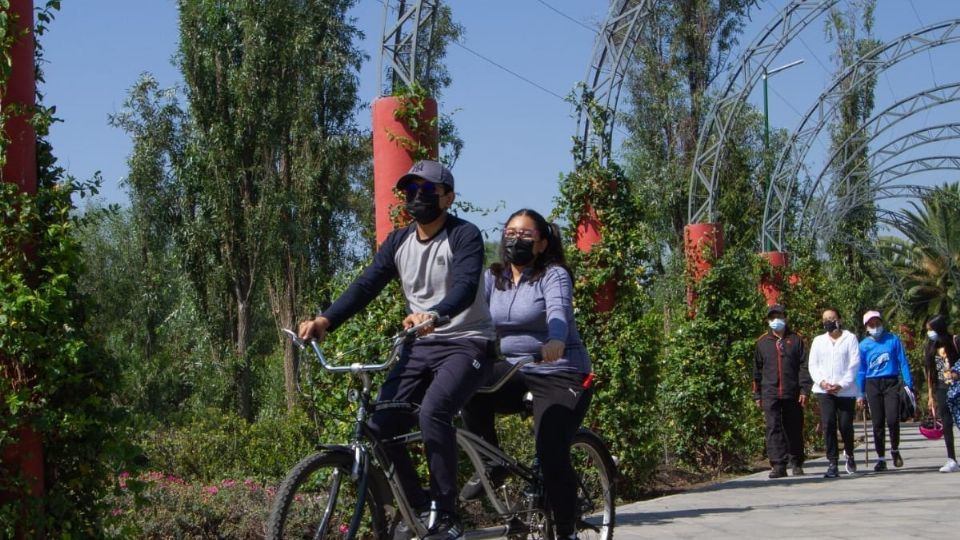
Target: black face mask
pixel 830 326
pixel 424 208
pixel 517 251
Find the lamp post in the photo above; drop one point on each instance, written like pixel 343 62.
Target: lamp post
pixel 766 117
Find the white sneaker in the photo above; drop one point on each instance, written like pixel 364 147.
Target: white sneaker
pixel 950 466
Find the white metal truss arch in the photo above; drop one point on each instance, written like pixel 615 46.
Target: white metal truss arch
pixel 611 59
pixel 784 178
pixel 720 120
pixel 818 190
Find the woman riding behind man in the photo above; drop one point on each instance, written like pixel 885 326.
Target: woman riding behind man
pixel 530 294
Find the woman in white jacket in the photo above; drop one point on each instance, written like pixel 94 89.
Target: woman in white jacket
pixel 833 363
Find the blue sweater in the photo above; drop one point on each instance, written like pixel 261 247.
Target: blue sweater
pixel 529 314
pixel 882 357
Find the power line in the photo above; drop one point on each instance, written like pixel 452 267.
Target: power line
pixel 568 17
pixel 508 70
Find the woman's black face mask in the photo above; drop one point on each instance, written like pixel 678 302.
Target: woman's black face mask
pixel 517 251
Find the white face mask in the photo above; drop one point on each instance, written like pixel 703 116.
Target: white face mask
pixel 777 324
pixel 932 335
pixel 875 331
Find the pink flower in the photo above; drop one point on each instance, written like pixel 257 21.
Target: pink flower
pixel 251 485
pixel 228 483
pixel 211 490
pixel 116 511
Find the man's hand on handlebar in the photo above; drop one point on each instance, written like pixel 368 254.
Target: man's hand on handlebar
pixel 414 319
pixel 314 329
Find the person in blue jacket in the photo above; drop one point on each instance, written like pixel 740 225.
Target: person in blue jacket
pixel 439 262
pixel 882 363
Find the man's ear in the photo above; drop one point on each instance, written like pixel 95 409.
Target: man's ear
pixel 449 196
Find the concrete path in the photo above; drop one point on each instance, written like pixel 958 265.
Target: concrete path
pixel 915 501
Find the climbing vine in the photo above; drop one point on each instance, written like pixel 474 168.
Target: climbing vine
pixel 53 381
pixel 623 341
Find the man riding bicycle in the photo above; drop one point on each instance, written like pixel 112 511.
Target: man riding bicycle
pixel 439 261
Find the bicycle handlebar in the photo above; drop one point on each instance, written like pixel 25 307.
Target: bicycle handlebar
pixel 357 367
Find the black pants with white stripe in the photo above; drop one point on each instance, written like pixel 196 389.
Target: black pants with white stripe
pixel 559 404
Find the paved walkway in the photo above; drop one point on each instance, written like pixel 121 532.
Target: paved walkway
pixel 915 501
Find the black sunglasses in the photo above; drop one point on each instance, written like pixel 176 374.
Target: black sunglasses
pixel 427 188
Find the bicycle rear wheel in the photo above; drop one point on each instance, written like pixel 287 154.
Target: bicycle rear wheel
pixel 596 473
pixel 318 499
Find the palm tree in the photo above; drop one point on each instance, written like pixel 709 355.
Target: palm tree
pixel 926 261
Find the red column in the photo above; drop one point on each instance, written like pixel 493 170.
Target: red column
pixel 392 146
pixel 26 455
pixel 588 234
pixel 770 284
pixel 21 165
pixel 702 242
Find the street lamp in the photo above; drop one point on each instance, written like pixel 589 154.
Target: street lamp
pixel 766 112
pixel 766 121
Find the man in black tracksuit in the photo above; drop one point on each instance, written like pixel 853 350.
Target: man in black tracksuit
pixel 781 384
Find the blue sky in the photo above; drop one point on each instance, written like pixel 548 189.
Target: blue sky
pixel 517 135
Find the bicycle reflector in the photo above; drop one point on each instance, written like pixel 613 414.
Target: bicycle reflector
pixel 931 428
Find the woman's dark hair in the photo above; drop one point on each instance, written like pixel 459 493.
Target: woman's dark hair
pixel 835 310
pixel 552 256
pixel 944 339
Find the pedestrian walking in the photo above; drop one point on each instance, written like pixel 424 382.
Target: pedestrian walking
pixel 781 383
pixel 882 365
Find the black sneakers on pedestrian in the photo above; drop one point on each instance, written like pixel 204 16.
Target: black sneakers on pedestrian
pixel 851 465
pixel 880 466
pixel 897 459
pixel 832 471
pixel 446 527
pixel 778 471
pixel 473 488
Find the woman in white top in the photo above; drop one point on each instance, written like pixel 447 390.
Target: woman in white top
pixel 834 362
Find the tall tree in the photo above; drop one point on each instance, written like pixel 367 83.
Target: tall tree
pixel 684 47
pixel 272 87
pixel 852 31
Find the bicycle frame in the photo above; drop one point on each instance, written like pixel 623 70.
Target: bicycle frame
pixel 365 445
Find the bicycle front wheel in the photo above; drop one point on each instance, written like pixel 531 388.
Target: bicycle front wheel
pixel 318 499
pixel 596 473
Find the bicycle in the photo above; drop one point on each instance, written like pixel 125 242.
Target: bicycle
pixel 348 491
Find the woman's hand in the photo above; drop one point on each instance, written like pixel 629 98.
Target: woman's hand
pixel 553 350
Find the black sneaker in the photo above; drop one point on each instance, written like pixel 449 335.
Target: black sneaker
pixel 797 470
pixel 832 471
pixel 403 532
pixel 447 527
pixel 473 489
pixel 880 466
pixel 778 471
pixel 897 459
pixel 851 465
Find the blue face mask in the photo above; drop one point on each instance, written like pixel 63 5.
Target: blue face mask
pixel 932 335
pixel 777 324
pixel 875 331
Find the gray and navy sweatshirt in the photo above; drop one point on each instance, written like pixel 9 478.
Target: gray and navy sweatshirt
pixel 440 274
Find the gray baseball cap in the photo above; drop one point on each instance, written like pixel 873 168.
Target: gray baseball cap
pixel 431 171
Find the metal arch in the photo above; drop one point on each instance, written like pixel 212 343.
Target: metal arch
pixel 881 156
pixel 884 188
pixel 610 61
pixel 399 43
pixel 873 62
pixel 880 122
pixel 711 143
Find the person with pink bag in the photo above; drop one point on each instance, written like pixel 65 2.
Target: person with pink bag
pixel 943 383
